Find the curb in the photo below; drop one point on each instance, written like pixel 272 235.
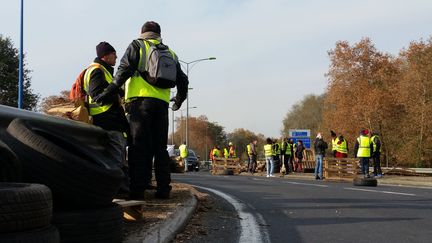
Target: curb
pixel 166 230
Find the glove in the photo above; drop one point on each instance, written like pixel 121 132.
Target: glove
pixel 102 98
pixel 176 104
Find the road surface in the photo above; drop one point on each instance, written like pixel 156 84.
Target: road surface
pixel 288 210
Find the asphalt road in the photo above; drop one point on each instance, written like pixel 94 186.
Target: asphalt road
pixel 288 210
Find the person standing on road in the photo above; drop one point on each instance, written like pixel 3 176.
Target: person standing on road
pixel 376 154
pixel 253 156
pixel 184 154
pixel 286 151
pixel 291 158
pixel 269 154
pixel 148 98
pixel 362 149
pixel 320 147
pixel 276 154
pixel 298 167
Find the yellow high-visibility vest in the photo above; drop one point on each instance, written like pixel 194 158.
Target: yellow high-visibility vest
pixel 268 150
pixel 136 86
pixel 248 147
pixel 342 147
pixel 183 151
pixel 374 144
pixel 364 147
pixel 335 143
pixel 95 108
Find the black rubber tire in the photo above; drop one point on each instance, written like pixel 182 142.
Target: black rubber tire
pixel 42 235
pixel 92 226
pixel 365 182
pixel 78 176
pixel 10 167
pixel 225 172
pixel 24 207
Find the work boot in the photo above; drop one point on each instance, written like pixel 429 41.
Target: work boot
pixel 163 193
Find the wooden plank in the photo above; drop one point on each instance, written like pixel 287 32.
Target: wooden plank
pixel 132 209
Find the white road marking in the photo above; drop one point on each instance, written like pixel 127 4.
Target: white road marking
pixel 304 184
pixel 250 230
pixel 386 192
pixel 294 183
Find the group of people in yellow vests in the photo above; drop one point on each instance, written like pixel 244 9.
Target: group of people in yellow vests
pixel 228 152
pixel 286 155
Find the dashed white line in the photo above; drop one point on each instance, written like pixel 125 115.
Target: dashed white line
pixel 304 184
pixel 378 191
pixel 250 230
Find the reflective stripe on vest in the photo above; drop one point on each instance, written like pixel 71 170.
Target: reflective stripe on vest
pixel 95 108
pixel 364 147
pixel 183 151
pixel 342 147
pixel 268 150
pixel 137 86
pixel 374 144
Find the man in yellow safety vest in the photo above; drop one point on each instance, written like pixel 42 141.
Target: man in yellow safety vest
pixel 362 149
pixel 184 154
pixel 147 95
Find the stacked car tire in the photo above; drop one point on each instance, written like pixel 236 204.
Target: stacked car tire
pixel 25 214
pixel 83 180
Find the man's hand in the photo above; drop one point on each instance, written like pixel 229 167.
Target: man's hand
pixel 103 97
pixel 176 104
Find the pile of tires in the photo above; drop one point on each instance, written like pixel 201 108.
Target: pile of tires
pixel 26 213
pixel 83 180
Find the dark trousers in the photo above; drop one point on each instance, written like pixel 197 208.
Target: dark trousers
pixel 364 163
pixel 149 132
pixel 252 164
pixel 286 161
pixel 376 163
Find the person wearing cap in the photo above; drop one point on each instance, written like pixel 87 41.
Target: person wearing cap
pixel 110 116
pixel 148 110
pixel 362 149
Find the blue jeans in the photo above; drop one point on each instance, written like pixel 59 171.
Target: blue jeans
pixel 319 165
pixel 270 165
pixel 364 163
pixel 185 164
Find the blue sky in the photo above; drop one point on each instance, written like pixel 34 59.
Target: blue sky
pixel 270 53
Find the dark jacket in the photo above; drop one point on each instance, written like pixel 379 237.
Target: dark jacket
pixel 129 65
pixel 114 119
pixel 299 151
pixel 320 146
pixel 98 83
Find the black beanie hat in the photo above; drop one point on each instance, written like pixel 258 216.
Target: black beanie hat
pixel 104 48
pixel 151 26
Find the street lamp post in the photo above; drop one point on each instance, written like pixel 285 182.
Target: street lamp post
pixel 187 97
pixel 21 66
